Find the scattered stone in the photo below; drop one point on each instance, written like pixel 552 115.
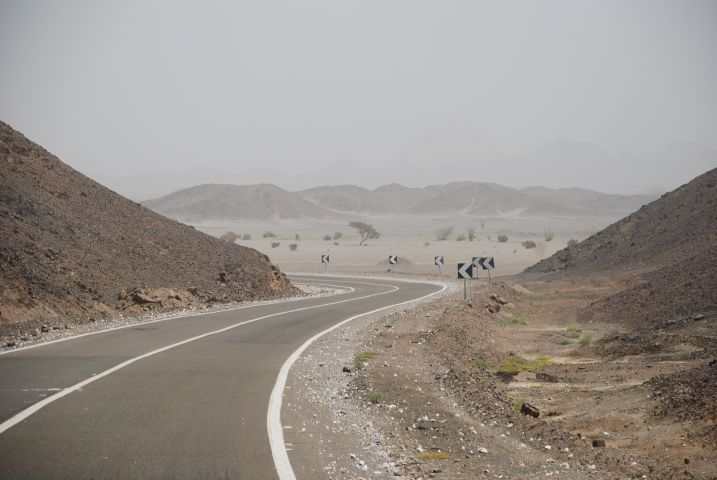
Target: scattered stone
pixel 10 343
pixel 598 443
pixel 346 370
pixel 44 328
pixel 528 409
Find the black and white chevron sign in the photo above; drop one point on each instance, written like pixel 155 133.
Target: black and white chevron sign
pixel 393 259
pixel 325 259
pixel 486 263
pixel 439 260
pixel 465 270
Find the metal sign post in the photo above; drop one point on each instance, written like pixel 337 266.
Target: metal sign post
pixel 325 259
pixel 465 271
pixel 439 262
pixel 486 263
pixel 392 260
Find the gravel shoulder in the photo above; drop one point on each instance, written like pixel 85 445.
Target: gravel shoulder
pixel 435 396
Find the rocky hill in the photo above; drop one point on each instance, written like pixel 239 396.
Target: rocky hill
pixel 670 246
pixel 473 199
pixel 73 251
pixel 680 225
pixel 264 201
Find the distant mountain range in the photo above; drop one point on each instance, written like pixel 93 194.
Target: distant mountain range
pixel 475 199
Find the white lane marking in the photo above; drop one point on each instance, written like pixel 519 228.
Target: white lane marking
pixel 175 317
pixel 273 416
pixel 19 417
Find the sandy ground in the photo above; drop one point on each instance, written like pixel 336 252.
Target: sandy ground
pixel 412 239
pixel 430 401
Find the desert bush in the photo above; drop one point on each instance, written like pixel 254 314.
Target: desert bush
pixel 297 237
pixel 338 235
pixel 514 364
pixel 268 234
pixel 427 244
pixel 336 243
pixel 482 224
pixel 433 456
pixel 529 244
pixel 471 234
pixel 246 236
pixel 374 397
pixel 549 236
pixel 275 244
pixel 502 238
pixel 327 238
pixel 361 359
pixel 293 247
pixel 444 233
pixel 513 320
pixel 230 237
pixel 460 238
pixel 365 230
pixel 572 242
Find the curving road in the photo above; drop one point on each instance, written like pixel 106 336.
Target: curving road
pixel 184 398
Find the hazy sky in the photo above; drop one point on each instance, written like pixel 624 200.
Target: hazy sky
pixel 611 95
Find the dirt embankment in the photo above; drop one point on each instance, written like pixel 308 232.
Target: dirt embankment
pixel 72 251
pixel 443 386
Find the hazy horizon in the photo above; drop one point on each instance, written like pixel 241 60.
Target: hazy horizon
pixel 151 97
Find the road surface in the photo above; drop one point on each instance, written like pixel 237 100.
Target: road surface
pixel 195 409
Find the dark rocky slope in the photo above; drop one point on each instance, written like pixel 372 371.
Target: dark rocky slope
pixel 72 251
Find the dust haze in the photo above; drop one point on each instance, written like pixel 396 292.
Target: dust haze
pixel 151 97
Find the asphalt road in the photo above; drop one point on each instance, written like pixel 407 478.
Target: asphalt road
pixel 194 411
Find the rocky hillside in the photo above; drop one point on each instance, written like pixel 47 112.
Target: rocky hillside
pixel 73 251
pixel 264 202
pixel 670 248
pixel 680 225
pixel 473 199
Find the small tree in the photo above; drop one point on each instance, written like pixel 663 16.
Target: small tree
pixel 275 244
pixel 529 244
pixel 482 224
pixel 503 238
pixel 246 236
pixel 268 234
pixel 444 233
pixel 338 235
pixel 297 237
pixel 365 230
pixel 293 247
pixel 572 242
pixel 230 237
pixel 549 235
pixel 471 234
pixel 460 238
pixel 327 238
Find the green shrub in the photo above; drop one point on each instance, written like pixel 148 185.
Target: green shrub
pixel 433 456
pixel 361 359
pixel 374 397
pixel 515 364
pixel 482 364
pixel 514 320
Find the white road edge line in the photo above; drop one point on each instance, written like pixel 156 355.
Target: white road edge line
pixel 273 416
pixel 189 314
pixel 19 417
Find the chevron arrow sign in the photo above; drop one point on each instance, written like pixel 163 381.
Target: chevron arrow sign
pixel 439 260
pixel 325 259
pixel 487 263
pixel 465 270
pixel 393 259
